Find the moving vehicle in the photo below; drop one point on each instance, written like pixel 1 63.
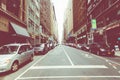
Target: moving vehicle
pixel 14 55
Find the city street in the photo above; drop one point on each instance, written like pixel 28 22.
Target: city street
pixel 42 40
pixel 67 63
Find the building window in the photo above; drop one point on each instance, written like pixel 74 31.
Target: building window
pixel 95 0
pixel 89 1
pixel 112 1
pixel 24 5
pixel 31 13
pixel 13 6
pixel 0 3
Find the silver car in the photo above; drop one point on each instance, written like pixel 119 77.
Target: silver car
pixel 40 48
pixel 13 55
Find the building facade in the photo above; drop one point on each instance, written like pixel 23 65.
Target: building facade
pixel 12 21
pixel 75 21
pixel 54 26
pixel 107 16
pixel 33 20
pixel 68 21
pixel 45 21
pixel 48 21
pixel 80 20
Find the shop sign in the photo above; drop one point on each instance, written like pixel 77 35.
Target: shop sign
pixel 4 24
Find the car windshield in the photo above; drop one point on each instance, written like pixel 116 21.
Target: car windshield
pixel 42 45
pixel 8 49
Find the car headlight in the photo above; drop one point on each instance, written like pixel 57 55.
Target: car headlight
pixel 6 61
pixel 112 50
pixel 102 49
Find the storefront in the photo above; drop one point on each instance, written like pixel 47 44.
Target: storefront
pixel 4 31
pixel 16 34
pixel 82 38
pixel 113 34
pixel 12 29
pixel 5 38
pixel 19 33
pixel 71 39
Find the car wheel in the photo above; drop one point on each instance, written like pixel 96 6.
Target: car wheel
pixel 112 54
pixel 31 58
pixel 98 52
pixel 45 50
pixel 14 67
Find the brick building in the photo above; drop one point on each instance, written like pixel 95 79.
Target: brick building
pixel 13 21
pixel 33 20
pixel 107 16
pixel 76 21
pixel 45 15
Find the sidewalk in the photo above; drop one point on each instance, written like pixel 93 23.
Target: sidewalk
pixel 117 53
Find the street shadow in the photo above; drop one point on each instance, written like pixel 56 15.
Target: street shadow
pixel 111 56
pixel 3 74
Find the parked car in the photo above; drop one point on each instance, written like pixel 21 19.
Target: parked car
pixel 101 49
pixel 13 55
pixel 79 46
pixel 51 46
pixel 40 48
pixel 94 48
pixel 85 47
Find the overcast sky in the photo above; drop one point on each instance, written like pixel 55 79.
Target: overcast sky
pixel 60 6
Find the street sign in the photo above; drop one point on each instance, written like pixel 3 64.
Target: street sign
pixel 93 22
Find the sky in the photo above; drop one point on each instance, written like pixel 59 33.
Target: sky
pixel 60 7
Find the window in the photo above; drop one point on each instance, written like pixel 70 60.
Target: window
pixel 8 49
pixel 89 1
pixel 95 0
pixel 112 1
pixel 0 3
pixel 13 6
pixel 27 47
pixel 22 49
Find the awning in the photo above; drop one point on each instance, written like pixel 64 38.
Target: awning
pixel 19 30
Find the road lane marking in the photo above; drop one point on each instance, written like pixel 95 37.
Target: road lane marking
pixel 30 67
pixel 65 77
pixel 68 57
pixel 69 67
pixel 119 72
pixel 107 60
pixel 88 56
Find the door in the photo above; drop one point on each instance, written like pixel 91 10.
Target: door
pixel 22 55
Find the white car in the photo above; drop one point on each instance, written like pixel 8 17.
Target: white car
pixel 40 48
pixel 13 55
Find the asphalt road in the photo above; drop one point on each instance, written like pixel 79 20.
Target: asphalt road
pixel 66 63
